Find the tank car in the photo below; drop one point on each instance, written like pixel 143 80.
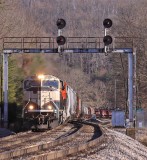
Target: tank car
pixel 47 101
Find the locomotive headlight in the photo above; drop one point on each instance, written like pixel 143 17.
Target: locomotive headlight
pixel 31 107
pixel 40 76
pixel 49 107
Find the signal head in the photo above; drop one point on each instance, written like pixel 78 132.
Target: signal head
pixel 107 40
pixel 61 40
pixel 107 23
pixel 61 23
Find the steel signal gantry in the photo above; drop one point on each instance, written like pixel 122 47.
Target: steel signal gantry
pixel 53 45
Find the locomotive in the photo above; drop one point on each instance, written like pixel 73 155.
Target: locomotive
pixel 48 100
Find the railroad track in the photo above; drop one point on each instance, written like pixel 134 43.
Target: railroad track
pixel 9 141
pixel 75 139
pixel 21 134
pixel 28 142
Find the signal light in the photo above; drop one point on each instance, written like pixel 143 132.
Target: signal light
pixel 61 23
pixel 107 40
pixel 107 23
pixel 61 40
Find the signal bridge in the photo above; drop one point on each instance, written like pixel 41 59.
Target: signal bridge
pixel 61 45
pixel 72 45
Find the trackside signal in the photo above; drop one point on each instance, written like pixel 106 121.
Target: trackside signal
pixel 61 40
pixel 107 23
pixel 107 40
pixel 61 23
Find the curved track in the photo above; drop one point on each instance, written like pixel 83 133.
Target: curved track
pixel 59 142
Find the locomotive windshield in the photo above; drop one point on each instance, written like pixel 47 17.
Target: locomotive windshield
pixel 29 84
pixel 50 83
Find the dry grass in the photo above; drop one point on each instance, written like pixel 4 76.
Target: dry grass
pixel 143 140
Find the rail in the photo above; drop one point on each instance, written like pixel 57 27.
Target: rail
pixel 54 154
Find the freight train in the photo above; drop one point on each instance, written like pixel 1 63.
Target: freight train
pixel 48 99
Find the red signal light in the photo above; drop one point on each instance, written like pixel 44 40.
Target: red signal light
pixel 61 40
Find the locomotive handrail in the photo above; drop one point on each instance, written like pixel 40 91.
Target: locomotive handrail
pixel 25 107
pixel 56 108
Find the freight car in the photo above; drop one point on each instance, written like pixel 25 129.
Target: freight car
pixel 48 100
pixel 103 113
pixel 87 112
pixel 91 111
